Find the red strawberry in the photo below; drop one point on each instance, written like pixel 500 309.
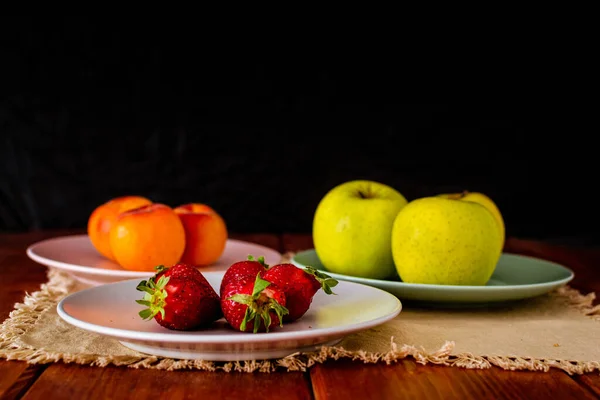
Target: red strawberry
pixel 253 304
pixel 180 270
pixel 179 298
pixel 243 268
pixel 299 286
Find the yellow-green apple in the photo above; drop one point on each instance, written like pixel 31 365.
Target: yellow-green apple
pixel 205 234
pixel 485 201
pixel 437 240
pixel 352 228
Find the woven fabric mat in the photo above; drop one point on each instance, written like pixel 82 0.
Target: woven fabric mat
pixel 557 330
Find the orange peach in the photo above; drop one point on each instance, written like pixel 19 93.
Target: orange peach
pixel 205 234
pixel 103 218
pixel 147 236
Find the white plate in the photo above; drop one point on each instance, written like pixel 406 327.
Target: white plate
pixel 77 256
pixel 111 310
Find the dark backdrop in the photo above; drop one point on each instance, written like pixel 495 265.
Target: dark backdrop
pixel 88 113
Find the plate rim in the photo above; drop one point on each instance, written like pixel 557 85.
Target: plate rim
pixel 188 337
pixel 470 288
pixel 92 271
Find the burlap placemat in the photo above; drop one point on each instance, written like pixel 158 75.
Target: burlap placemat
pixel 559 330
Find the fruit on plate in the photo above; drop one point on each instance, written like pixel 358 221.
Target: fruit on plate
pixel 103 217
pixel 352 228
pixel 205 234
pixel 147 236
pixel 485 201
pixel 437 240
pixel 299 286
pixel 252 304
pixel 252 296
pixel 179 298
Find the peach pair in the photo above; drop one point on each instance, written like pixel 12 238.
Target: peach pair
pixel 139 234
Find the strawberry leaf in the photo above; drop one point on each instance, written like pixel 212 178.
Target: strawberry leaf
pixel 146 314
pixel 267 319
pixel 260 259
pixel 160 268
pixel 280 311
pixel 256 324
pixel 143 287
pixel 162 282
pixel 259 285
pixel 154 297
pixel 246 318
pixel 326 281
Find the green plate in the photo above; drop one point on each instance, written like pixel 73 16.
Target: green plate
pixel 516 277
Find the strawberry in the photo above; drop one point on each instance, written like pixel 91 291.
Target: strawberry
pixel 299 286
pixel 180 270
pixel 251 303
pixel 243 268
pixel 179 298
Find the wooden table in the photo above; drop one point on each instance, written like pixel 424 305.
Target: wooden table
pixel 332 380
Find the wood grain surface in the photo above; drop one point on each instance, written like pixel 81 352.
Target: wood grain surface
pixel 341 379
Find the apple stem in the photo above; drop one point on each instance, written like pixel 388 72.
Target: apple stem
pixel 458 196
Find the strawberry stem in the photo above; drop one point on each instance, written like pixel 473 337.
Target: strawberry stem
pixel 259 306
pixel 154 297
pixel 260 259
pixel 325 280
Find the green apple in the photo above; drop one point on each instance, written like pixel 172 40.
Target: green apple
pixel 352 228
pixel 445 241
pixel 485 201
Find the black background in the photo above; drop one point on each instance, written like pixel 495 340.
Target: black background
pixel 90 111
